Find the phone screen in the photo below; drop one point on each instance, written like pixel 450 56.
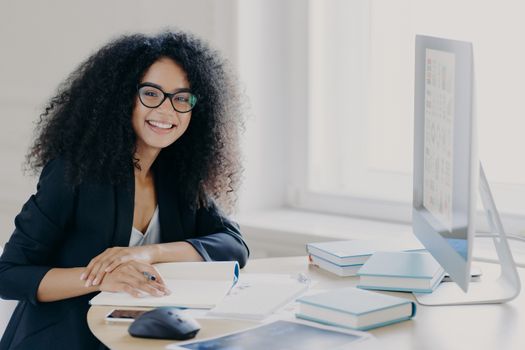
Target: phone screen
pixel 119 315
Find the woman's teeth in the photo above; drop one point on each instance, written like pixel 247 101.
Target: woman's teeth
pixel 159 124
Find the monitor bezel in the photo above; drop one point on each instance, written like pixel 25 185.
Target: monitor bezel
pixel 465 162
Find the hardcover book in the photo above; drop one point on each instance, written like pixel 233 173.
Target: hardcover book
pixel 401 271
pixel 355 308
pixel 339 270
pixel 356 251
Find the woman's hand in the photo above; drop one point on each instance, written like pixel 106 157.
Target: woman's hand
pixel 111 258
pixel 134 278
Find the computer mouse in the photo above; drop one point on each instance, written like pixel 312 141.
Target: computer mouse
pixel 164 323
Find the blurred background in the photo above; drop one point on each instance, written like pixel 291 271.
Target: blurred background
pixel 328 141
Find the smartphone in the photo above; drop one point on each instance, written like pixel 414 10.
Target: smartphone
pixel 123 316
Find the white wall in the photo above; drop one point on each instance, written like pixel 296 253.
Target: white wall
pixel 43 41
pixel 272 49
pixel 265 40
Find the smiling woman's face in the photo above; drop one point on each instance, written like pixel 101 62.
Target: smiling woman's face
pixel 157 128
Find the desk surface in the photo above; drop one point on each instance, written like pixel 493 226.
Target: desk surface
pixel 497 326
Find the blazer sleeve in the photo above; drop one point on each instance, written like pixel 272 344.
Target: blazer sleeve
pixel 218 238
pixel 39 230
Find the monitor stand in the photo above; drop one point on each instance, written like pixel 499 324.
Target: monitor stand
pixel 500 290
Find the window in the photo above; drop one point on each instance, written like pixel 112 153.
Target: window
pixel 360 86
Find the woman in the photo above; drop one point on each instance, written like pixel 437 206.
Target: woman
pixel 137 147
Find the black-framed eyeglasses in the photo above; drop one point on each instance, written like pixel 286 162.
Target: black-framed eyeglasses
pixel 152 96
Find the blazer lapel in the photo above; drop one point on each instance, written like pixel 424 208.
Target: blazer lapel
pixel 125 198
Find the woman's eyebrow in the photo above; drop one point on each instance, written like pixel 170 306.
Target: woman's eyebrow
pixel 151 84
pixel 161 88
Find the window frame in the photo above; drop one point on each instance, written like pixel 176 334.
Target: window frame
pixel 301 196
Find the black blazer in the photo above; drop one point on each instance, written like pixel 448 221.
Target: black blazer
pixel 61 226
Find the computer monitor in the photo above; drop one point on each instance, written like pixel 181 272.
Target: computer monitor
pixel 447 173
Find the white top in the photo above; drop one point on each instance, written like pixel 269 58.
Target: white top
pixel 152 235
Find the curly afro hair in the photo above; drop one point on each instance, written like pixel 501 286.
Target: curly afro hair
pixel 88 122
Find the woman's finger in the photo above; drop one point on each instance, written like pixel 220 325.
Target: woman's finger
pixel 162 287
pixel 130 290
pixel 116 263
pixel 115 260
pixel 150 274
pixel 98 267
pixel 149 271
pixel 89 268
pixel 131 276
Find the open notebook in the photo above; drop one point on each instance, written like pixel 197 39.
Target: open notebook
pixel 199 285
pixel 257 296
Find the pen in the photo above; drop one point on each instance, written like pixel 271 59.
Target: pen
pixel 149 276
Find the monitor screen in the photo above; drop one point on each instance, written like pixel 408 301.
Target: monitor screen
pixel 445 163
pixel 438 138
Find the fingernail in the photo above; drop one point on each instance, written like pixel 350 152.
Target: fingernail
pixel 95 282
pixel 82 276
pixel 87 284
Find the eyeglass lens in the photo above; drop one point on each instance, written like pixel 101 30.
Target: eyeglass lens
pixel 152 97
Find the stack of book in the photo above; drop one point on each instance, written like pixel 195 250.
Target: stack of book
pixel 401 271
pixel 355 308
pixel 345 258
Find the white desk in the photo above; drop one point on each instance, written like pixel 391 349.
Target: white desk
pixel 494 327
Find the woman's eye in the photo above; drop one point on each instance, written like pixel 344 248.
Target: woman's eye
pixel 181 99
pixel 151 93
